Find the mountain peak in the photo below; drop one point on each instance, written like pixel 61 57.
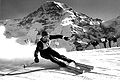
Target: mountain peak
pixel 55 18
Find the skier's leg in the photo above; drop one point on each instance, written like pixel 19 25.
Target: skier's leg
pixel 36 60
pixel 53 59
pixel 57 55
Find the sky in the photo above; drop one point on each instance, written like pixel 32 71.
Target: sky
pixel 104 9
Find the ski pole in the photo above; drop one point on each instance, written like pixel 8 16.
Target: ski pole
pixel 28 65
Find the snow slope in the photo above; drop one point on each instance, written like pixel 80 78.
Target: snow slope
pixel 14 55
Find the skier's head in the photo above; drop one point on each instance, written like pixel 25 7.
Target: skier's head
pixel 44 33
pixel 45 37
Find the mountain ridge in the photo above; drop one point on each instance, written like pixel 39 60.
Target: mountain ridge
pixel 56 18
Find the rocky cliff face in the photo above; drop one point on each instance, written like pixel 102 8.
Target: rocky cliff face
pixel 56 18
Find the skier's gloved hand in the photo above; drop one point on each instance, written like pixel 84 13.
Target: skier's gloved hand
pixel 36 60
pixel 66 38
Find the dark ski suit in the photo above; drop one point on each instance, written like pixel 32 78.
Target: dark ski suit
pixel 49 53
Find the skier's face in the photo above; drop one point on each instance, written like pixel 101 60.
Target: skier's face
pixel 45 38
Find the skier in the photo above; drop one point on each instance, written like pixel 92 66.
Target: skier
pixel 48 53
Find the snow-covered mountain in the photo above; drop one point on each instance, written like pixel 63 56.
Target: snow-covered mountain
pixel 56 18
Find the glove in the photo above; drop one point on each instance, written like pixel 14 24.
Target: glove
pixel 66 38
pixel 36 60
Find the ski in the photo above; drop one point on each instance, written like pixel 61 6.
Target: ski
pixel 69 69
pixel 73 70
pixel 86 68
pixel 28 65
pixel 25 72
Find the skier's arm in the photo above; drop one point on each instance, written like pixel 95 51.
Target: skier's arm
pixel 36 60
pixel 39 46
pixel 55 37
pixel 36 52
pixel 58 37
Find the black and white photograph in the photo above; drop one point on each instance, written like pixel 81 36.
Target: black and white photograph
pixel 75 40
